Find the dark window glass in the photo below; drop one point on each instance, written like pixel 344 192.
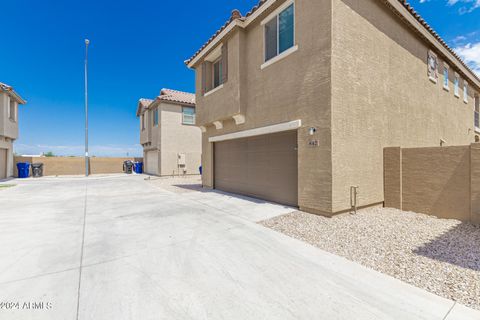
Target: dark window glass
pixel 217 73
pixel 286 29
pixel 271 30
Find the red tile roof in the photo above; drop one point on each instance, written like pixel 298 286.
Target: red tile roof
pixel 236 15
pixel 177 96
pixel 143 104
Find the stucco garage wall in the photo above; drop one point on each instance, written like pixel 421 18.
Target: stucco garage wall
pixel 57 166
pixel 295 88
pixel 440 181
pixel 382 96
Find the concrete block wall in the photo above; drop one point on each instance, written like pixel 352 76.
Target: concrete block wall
pixel 440 181
pixel 58 166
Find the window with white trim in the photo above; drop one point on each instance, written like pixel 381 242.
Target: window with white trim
pixel 188 115
pixel 465 91
pixel 457 85
pixel 432 64
pixel 11 110
pixel 280 33
pixel 155 117
pixel 477 112
pixel 446 82
pixel 217 73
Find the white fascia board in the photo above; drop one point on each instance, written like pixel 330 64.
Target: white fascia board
pixel 217 39
pixel 286 126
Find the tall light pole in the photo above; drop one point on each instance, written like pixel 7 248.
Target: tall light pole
pixel 87 42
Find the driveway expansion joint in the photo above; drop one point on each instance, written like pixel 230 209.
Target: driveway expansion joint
pixel 82 248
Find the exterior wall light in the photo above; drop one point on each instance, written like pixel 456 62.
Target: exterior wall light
pixel 312 131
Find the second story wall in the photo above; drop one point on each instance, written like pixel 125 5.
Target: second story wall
pixel 382 96
pixel 8 117
pixel 267 93
pixel 179 137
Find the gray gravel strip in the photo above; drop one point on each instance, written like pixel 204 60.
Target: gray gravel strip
pixel 441 256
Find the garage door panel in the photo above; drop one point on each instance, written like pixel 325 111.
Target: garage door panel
pixel 3 163
pixel 263 167
pixel 152 162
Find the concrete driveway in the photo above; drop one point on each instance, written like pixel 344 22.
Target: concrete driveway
pixel 121 247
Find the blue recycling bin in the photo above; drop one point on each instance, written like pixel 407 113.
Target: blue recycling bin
pixel 23 169
pixel 138 167
pixel 200 169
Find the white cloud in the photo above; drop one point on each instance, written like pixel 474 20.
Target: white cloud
pixel 471 54
pixel 79 150
pixel 467 7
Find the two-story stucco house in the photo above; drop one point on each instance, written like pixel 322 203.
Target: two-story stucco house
pixel 9 101
pixel 298 98
pixel 171 142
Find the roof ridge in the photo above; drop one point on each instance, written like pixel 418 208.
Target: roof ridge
pixel 185 92
pixel 425 24
pixel 404 3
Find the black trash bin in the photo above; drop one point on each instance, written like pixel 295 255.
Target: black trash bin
pixel 128 167
pixel 37 170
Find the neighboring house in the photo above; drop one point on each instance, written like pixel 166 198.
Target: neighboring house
pixel 297 99
pixel 172 144
pixel 9 101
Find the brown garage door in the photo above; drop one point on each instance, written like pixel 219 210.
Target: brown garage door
pixel 3 163
pixel 263 167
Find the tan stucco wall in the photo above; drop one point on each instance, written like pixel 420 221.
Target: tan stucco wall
pixel 57 166
pixel 171 138
pixel 295 88
pixel 440 181
pixel 227 101
pixel 8 146
pixel 382 96
pixel 178 138
pixel 8 128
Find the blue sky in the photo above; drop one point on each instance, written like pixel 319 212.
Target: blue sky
pixel 137 48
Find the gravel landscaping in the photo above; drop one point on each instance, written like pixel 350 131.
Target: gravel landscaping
pixel 438 255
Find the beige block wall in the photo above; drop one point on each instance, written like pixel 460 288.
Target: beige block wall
pixel 58 166
pixel 381 96
pixel 295 88
pixel 437 181
pixel 177 138
pixel 440 181
pixel 392 158
pixel 475 183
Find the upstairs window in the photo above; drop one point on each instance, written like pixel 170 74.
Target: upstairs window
pixel 457 85
pixel 188 115
pixel 432 66
pixel 11 110
pixel 215 69
pixel 477 113
pixel 217 73
pixel 142 120
pixel 280 33
pixel 155 117
pixel 446 82
pixel 465 91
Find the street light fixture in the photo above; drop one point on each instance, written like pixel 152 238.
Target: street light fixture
pixel 87 42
